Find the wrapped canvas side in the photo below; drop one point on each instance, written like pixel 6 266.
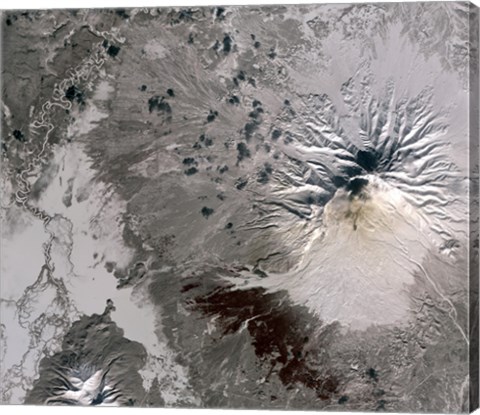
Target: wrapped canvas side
pixel 474 207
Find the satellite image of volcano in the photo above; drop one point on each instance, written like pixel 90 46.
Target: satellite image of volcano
pixel 269 207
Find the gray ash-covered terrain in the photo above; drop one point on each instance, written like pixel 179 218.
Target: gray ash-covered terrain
pixel 240 207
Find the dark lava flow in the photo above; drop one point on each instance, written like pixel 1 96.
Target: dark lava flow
pixel 280 334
